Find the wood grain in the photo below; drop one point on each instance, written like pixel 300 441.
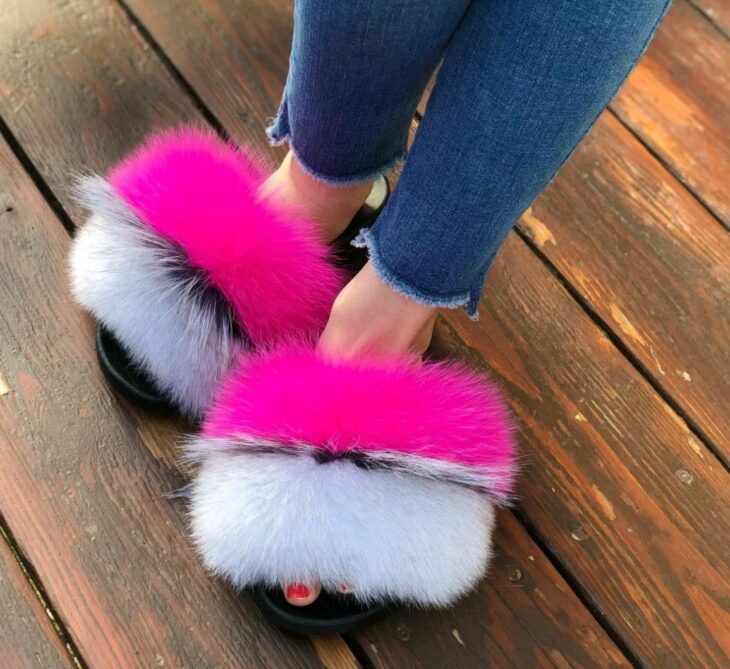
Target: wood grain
pixel 76 70
pixel 523 615
pixel 715 11
pixel 240 49
pixel 629 427
pixel 27 637
pixel 677 102
pixel 651 262
pixel 614 482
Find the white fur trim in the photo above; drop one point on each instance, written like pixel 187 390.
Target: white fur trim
pixel 129 278
pixel 272 519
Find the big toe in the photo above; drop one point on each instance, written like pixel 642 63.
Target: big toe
pixel 301 594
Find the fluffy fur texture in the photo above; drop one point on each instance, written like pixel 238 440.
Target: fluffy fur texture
pixel 138 285
pixel 201 193
pixel 383 475
pixel 436 419
pixel 187 267
pixel 265 518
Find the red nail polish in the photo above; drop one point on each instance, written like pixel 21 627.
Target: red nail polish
pixel 297 591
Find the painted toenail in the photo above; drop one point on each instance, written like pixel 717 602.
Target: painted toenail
pixel 297 591
pixel 345 588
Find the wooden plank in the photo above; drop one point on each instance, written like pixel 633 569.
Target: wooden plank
pixel 717 12
pixel 156 436
pixel 234 54
pixel 614 482
pixel 83 495
pixel 651 262
pixel 27 637
pixel 239 48
pixel 79 489
pixel 677 102
pixel 631 438
pixel 77 70
pixel 523 615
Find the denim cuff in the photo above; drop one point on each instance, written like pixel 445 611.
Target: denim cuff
pixel 468 300
pixel 279 132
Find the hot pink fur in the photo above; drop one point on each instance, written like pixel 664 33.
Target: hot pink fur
pixel 201 193
pixel 438 411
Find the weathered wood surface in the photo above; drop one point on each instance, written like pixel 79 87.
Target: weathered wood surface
pixel 83 496
pixel 717 12
pixel 522 616
pixel 614 482
pixel 77 72
pixel 157 435
pixel 651 262
pixel 240 49
pixel 677 102
pixel 684 635
pixel 27 637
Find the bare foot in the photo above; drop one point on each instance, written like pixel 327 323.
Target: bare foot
pixel 330 207
pixel 370 318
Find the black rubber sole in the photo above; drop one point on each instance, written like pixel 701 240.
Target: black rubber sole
pixel 328 614
pixel 127 379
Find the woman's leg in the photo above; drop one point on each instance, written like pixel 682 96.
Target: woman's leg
pixel 356 74
pixel 521 84
pixel 357 71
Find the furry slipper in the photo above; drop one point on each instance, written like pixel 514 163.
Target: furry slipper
pixel 381 474
pixel 185 267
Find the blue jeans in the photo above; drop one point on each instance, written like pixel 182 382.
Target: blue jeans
pixel 521 83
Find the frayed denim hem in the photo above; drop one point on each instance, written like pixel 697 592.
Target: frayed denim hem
pixel 469 301
pixel 278 136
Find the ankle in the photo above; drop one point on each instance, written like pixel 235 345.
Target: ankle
pixel 329 206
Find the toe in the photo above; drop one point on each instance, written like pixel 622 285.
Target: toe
pixel 301 594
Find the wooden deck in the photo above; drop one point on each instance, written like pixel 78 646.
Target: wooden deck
pixel 606 318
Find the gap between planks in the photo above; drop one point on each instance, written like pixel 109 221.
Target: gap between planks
pixel 670 169
pixel 601 323
pixel 36 586
pixel 184 84
pixel 603 328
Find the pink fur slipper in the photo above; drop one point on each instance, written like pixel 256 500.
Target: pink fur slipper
pixel 186 267
pixel 382 475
